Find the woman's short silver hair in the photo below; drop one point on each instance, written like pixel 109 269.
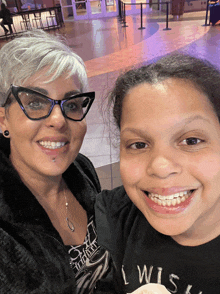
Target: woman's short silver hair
pixel 24 56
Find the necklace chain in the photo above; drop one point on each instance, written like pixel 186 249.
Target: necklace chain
pixel 68 221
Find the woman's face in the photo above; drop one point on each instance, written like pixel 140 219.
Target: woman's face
pixel 170 157
pixel 30 140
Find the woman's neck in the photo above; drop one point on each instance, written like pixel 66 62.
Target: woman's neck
pixel 41 186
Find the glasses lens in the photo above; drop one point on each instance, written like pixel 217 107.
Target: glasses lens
pixel 76 108
pixel 34 104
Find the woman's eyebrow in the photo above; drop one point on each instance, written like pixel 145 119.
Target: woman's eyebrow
pixel 40 90
pixel 71 93
pixel 45 92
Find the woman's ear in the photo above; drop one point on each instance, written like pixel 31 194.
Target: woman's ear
pixel 3 120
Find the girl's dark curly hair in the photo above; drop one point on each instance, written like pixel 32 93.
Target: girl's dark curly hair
pixel 201 73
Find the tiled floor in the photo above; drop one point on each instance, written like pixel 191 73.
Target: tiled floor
pixel 108 49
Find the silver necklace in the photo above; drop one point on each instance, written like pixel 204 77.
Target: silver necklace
pixel 69 223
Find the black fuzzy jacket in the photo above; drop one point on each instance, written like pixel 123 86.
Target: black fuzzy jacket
pixel 33 258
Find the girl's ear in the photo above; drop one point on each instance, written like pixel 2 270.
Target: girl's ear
pixel 3 120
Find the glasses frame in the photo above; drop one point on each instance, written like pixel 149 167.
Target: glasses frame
pixel 16 89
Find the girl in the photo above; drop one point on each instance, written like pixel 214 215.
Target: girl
pixel 162 226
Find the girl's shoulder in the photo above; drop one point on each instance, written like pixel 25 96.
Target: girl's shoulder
pixel 115 212
pixel 85 165
pixel 114 200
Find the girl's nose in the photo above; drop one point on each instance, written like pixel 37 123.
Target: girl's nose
pixel 163 165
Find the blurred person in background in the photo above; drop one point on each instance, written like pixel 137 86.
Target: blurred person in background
pixel 5 14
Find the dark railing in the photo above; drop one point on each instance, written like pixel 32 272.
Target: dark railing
pixel 56 9
pixel 212 13
pixel 122 12
pixel 26 20
pixel 206 16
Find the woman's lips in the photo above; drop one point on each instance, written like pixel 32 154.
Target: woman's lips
pixel 169 204
pixel 52 144
pixel 53 148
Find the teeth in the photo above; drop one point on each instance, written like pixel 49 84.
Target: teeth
pixel 174 201
pixel 51 145
pixel 183 199
pixel 170 200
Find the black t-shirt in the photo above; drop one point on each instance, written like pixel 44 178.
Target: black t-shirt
pixel 142 255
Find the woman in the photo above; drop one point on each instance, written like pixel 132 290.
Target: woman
pixel 47 188
pixel 163 225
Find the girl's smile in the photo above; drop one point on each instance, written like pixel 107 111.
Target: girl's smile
pixel 169 200
pixel 169 204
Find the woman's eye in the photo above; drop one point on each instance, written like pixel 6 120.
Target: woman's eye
pixel 191 141
pixel 71 106
pixel 33 101
pixel 138 145
pixel 35 104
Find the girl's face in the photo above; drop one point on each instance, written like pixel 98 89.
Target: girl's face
pixel 35 144
pixel 170 158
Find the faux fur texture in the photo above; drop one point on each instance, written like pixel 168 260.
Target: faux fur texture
pixel 33 258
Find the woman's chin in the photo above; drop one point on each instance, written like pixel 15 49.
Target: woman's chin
pixel 53 168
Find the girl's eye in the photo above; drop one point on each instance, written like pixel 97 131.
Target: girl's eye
pixel 138 145
pixel 191 141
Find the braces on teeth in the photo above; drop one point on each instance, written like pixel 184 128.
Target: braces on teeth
pixel 170 200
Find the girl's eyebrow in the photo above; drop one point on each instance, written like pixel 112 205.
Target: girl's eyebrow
pixel 184 122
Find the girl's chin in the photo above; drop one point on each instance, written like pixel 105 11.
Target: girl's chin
pixel 165 229
pixel 170 226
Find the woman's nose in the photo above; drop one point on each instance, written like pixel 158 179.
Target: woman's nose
pixel 163 165
pixel 56 118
